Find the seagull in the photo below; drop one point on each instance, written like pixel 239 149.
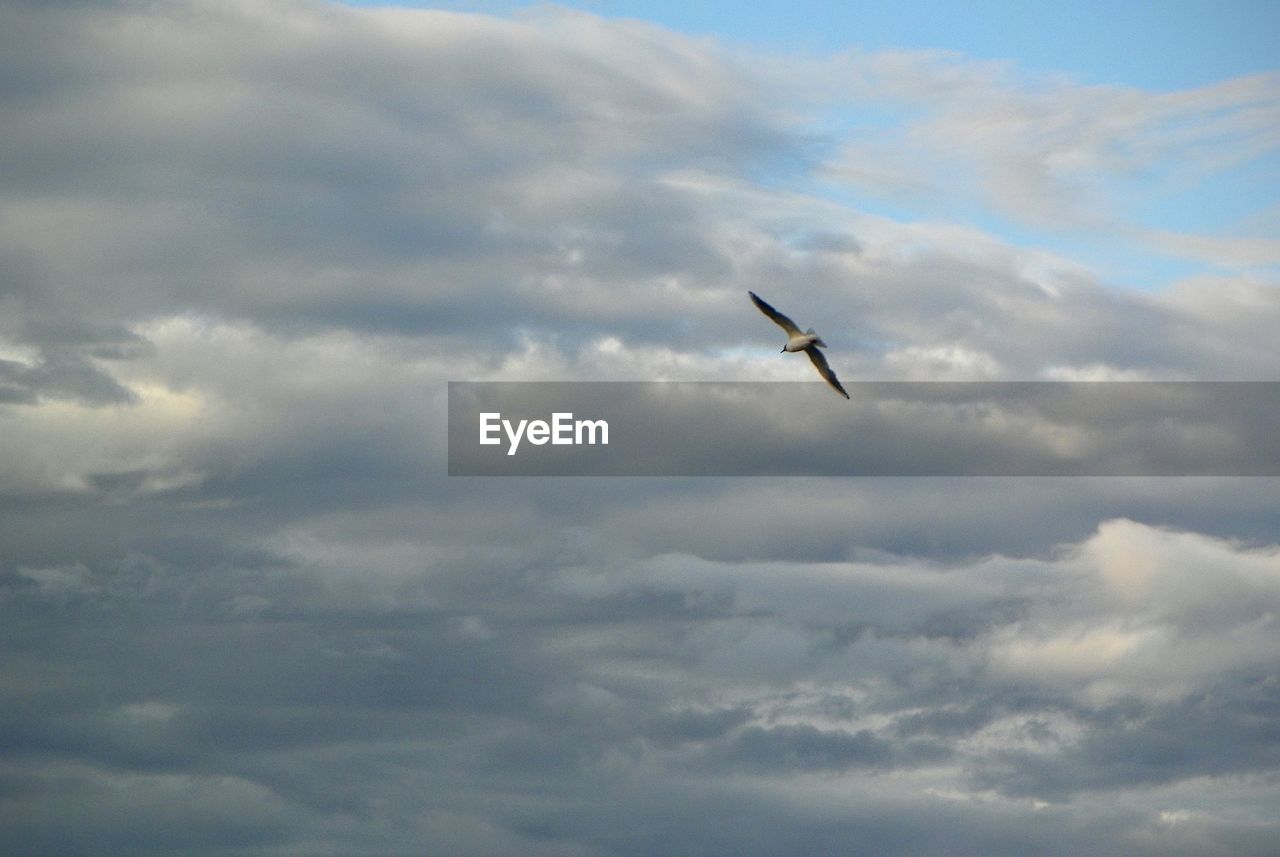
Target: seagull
pixel 806 341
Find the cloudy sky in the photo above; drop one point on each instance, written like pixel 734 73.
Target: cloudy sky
pixel 245 245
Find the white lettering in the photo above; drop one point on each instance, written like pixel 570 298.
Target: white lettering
pixel 562 430
pixel 590 426
pixel 515 436
pixel 538 432
pixel 488 425
pixel 561 435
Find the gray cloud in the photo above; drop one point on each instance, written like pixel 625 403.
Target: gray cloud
pixel 244 611
pixel 548 683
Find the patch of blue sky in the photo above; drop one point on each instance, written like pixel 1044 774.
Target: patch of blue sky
pixel 1173 45
pixel 1111 258
pixel 1241 198
pixel 1168 45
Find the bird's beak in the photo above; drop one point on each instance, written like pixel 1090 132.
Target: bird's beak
pixel 783 351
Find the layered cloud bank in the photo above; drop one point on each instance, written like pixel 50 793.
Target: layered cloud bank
pixel 243 246
pixel 355 683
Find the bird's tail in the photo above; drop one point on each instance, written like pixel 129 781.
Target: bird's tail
pixel 818 341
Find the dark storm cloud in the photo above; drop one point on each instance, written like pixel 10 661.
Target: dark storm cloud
pixel 1225 730
pixel 62 374
pixel 802 748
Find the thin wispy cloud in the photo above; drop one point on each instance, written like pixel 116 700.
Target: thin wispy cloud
pixel 1056 154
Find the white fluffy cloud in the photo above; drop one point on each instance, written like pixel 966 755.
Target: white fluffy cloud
pixel 1150 612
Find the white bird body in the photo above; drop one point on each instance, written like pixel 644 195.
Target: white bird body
pixel 802 341
pixel 798 340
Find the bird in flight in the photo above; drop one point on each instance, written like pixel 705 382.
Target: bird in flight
pixel 797 340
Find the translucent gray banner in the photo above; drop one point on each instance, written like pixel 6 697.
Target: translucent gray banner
pixel 885 429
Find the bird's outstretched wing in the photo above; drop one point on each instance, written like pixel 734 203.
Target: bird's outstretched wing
pixel 823 369
pixel 778 318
